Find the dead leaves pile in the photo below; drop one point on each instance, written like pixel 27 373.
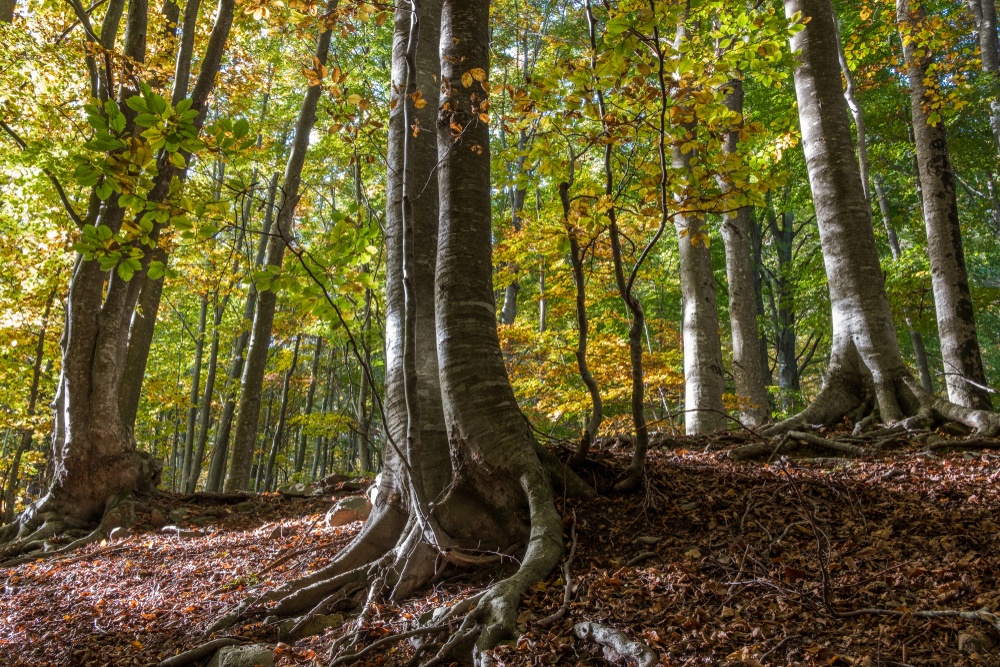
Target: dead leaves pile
pixel 717 563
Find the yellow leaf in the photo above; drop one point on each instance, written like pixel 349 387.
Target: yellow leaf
pixel 478 73
pixel 420 103
pixel 137 645
pixel 354 98
pixel 485 117
pixel 467 79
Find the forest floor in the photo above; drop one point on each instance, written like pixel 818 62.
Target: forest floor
pixel 717 563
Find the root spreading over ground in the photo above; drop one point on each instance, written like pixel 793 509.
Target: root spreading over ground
pixel 718 562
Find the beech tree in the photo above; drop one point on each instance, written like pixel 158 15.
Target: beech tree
pixel 251 384
pixel 964 374
pixel 866 369
pixel 95 465
pixel 458 494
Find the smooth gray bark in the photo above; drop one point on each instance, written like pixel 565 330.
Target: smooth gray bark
pixel 423 159
pixel 864 340
pixel 963 365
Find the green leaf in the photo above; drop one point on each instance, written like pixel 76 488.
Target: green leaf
pixel 177 160
pixel 136 103
pixel 125 272
pixel 156 270
pixel 240 128
pixel 146 120
pixel 103 192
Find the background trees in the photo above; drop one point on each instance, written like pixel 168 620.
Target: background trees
pixel 736 191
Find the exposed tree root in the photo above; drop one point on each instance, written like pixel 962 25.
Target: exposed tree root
pixel 618 647
pixel 390 560
pixel 567 579
pixel 199 652
pixel 30 538
pixel 794 440
pixel 972 443
pixel 852 392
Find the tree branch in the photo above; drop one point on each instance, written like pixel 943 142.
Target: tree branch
pixel 52 177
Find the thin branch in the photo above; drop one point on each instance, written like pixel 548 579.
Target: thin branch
pixel 52 177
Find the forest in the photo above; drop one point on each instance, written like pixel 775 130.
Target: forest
pixel 499 332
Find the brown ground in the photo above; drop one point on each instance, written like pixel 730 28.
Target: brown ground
pixel 735 578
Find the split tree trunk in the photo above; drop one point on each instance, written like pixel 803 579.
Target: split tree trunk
pixel 866 368
pixel 497 492
pixel 963 364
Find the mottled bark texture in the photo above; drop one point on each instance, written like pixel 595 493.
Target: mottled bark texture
pixel 495 491
pixel 866 368
pixel 963 364
pixel 748 366
pixel 245 433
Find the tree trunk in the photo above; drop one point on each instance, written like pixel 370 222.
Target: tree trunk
pixel 704 383
pixel 238 478
pixel 140 339
pixel 866 368
pixel 985 13
pixel 963 365
pixel 279 429
pixel 582 328
pixel 423 159
pixel 205 421
pixel 916 340
pixel 7 10
pixel 10 492
pixel 192 411
pixel 300 452
pixel 498 493
pixel 782 303
pixel 748 368
pixel 220 450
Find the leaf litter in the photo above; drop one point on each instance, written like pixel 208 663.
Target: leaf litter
pixel 715 563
